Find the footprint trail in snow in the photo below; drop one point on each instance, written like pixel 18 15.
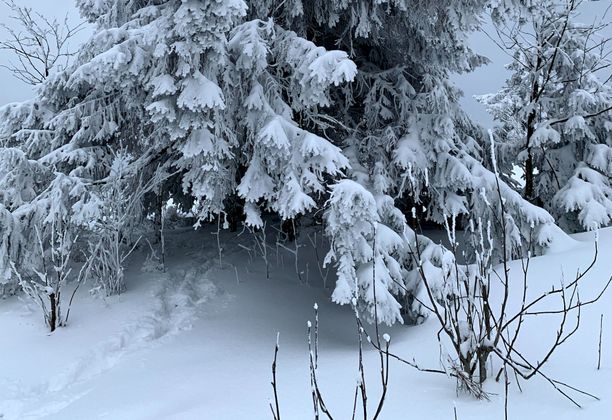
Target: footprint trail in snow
pixel 177 301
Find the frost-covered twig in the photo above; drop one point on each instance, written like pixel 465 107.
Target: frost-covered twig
pixel 275 408
pixel 319 406
pixel 599 348
pixel 261 245
pixel 323 271
pixel 294 251
pixel 83 274
pixel 217 234
pixel 313 356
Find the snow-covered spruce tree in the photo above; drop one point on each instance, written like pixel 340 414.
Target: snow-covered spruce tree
pixel 556 116
pixel 409 144
pixel 200 97
pixel 221 94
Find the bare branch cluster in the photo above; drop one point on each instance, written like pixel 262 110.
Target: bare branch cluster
pixel 44 284
pixel 479 326
pixel 38 43
pixel 360 400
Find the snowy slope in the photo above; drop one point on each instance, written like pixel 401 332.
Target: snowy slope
pixel 197 343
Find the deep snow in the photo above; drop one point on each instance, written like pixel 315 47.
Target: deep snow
pixel 197 342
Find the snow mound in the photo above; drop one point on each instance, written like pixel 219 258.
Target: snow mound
pixel 557 240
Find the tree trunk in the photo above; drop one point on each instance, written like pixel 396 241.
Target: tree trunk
pixel 234 212
pixel 53 315
pixel 531 121
pixel 289 228
pixel 159 207
pixel 483 355
pixel 529 172
pixel 529 176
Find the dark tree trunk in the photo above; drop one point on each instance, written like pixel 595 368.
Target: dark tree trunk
pixel 529 172
pixel 483 355
pixel 234 212
pixel 531 122
pixel 159 213
pixel 53 315
pixel 289 227
pixel 529 176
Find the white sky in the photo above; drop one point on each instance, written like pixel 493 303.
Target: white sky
pixel 484 80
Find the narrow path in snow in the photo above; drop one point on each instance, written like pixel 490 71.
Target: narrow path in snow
pixel 176 302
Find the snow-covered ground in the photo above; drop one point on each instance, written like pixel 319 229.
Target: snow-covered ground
pixel 197 342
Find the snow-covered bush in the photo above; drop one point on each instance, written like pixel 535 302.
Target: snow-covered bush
pixel 116 213
pixel 48 269
pixel 477 320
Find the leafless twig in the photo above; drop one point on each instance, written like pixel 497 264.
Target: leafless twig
pixel 38 44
